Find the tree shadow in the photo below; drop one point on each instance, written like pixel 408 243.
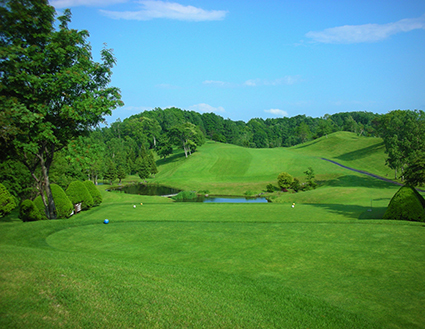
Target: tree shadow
pixel 353 211
pixel 173 158
pixel 358 181
pixel 362 153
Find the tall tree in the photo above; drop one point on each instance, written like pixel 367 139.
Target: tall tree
pixel 403 133
pixel 51 90
pixel 187 136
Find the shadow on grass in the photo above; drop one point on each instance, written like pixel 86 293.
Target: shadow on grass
pixel 173 158
pixel 358 181
pixel 362 153
pixel 12 217
pixel 353 211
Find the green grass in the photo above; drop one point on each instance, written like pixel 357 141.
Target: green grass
pixel 327 263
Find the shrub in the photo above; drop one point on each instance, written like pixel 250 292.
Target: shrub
pixel 28 212
pixel 284 180
pixel 94 192
pixel 77 192
pixel 296 185
pixel 185 195
pixel 7 201
pixel 406 204
pixel 38 202
pixel 64 207
pixel 270 188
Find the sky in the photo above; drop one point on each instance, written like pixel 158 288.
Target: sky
pixel 244 59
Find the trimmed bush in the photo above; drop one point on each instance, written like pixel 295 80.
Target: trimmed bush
pixel 7 201
pixel 77 192
pixel 64 207
pixel 38 202
pixel 29 212
pixel 94 192
pixel 406 204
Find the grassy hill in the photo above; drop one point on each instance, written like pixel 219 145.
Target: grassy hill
pixel 230 169
pixel 192 265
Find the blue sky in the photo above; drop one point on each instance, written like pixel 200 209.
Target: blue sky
pixel 260 59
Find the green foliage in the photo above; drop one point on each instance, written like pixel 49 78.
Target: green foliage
pixel 38 202
pixel 270 188
pixel 77 192
pixel 121 174
pixel 185 195
pixel 284 180
pixel 64 206
pixel 142 167
pixel 406 204
pixel 415 172
pixel 28 211
pixel 94 192
pixel 111 172
pixel 296 185
pixel 52 91
pixel 7 201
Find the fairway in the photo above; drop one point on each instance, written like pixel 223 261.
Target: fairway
pixel 329 262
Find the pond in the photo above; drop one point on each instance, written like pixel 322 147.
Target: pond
pixel 149 189
pixel 141 189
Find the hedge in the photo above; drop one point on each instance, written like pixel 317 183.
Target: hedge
pixel 77 192
pixel 94 192
pixel 64 207
pixel 29 212
pixel 406 204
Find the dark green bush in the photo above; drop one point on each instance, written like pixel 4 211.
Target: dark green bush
pixel 296 185
pixel 406 204
pixel 270 188
pixel 28 212
pixel 64 207
pixel 7 201
pixel 77 192
pixel 94 192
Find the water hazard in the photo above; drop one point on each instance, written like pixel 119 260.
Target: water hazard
pixel 141 189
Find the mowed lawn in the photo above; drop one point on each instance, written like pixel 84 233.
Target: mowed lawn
pixel 329 262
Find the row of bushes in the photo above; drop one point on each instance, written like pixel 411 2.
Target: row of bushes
pixel 85 193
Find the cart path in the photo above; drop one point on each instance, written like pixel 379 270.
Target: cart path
pixel 369 174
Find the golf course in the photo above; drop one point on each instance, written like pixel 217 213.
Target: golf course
pixel 330 261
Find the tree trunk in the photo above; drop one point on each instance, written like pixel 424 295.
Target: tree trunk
pixel 49 203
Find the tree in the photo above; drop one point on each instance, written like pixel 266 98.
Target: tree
pixel 121 174
pixel 185 136
pixel 142 167
pixel 7 201
pixel 403 133
pixel 284 180
pixel 51 90
pixel 310 178
pixel 415 172
pixel 406 204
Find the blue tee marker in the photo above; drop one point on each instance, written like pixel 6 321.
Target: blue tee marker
pixel 106 221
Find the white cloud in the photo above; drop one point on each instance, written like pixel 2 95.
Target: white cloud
pixel 287 80
pixel 171 10
pixel 277 112
pixel 205 108
pixel 367 32
pixel 76 3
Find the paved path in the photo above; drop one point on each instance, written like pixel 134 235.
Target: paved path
pixel 369 174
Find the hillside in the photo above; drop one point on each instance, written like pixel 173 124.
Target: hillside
pixel 229 169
